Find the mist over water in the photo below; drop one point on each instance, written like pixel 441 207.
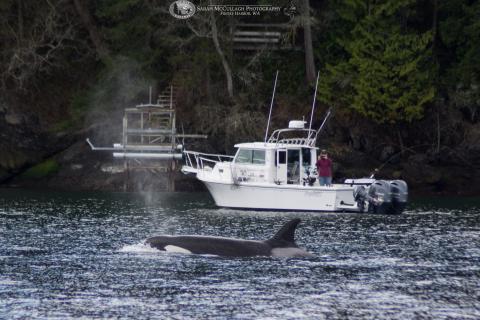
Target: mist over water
pixel 81 255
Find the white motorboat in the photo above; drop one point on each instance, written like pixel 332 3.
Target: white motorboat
pixel 280 174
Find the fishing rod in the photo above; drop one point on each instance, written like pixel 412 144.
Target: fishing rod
pixel 376 170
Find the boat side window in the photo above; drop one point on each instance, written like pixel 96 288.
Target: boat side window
pixel 282 157
pixel 251 156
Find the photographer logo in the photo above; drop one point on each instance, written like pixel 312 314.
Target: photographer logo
pixel 182 9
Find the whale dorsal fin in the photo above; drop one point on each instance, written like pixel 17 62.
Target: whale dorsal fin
pixel 287 232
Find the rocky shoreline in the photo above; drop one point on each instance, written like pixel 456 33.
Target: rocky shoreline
pixel 32 157
pixel 77 168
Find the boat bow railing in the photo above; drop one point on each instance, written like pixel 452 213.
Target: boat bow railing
pixel 195 161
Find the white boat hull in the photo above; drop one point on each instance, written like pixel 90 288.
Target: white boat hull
pixel 283 197
pixel 276 175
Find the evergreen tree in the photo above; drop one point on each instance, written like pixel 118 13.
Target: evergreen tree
pixel 387 75
pixel 460 34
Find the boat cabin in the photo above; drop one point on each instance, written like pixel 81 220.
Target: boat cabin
pixel 288 156
pixel 272 163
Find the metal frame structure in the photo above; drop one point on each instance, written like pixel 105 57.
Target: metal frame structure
pixel 259 36
pixel 149 138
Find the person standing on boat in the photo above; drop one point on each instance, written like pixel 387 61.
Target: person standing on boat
pixel 324 169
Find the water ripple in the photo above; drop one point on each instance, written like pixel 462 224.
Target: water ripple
pixel 74 255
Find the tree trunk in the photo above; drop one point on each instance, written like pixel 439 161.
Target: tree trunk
pixel 208 85
pixel 307 35
pixel 21 32
pixel 438 131
pixel 81 7
pixel 434 23
pixel 400 141
pixel 226 66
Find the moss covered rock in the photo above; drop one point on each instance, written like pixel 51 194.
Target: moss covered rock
pixel 41 170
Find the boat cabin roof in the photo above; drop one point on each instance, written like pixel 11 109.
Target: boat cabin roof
pixel 270 145
pixel 284 138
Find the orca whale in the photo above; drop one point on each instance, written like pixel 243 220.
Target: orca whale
pixel 282 244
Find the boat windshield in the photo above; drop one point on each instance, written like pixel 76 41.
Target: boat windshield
pixel 251 156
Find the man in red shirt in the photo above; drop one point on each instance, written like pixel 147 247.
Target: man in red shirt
pixel 324 169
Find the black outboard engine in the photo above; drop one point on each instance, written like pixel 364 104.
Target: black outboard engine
pixel 399 191
pixel 360 195
pixel 380 198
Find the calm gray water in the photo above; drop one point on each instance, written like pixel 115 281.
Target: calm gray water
pixel 80 255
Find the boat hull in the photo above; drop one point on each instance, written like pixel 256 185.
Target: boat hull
pixel 337 198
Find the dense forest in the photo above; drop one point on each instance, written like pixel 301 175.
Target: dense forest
pixel 402 79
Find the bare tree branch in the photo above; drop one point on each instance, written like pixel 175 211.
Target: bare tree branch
pixel 35 46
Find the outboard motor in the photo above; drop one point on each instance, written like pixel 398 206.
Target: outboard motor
pixel 360 195
pixel 399 191
pixel 384 197
pixel 380 198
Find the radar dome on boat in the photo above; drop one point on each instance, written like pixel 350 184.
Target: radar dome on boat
pixel 296 124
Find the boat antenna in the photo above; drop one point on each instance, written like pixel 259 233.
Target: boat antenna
pixel 271 106
pixel 183 138
pixel 314 100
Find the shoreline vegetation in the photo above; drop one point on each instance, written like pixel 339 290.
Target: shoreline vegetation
pixel 402 78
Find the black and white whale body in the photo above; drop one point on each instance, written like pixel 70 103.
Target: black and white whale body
pixel 282 244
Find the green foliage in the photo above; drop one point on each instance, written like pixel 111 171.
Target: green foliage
pixel 136 30
pixel 62 126
pixel 80 105
pixel 460 33
pixel 386 77
pixel 41 170
pixel 383 60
